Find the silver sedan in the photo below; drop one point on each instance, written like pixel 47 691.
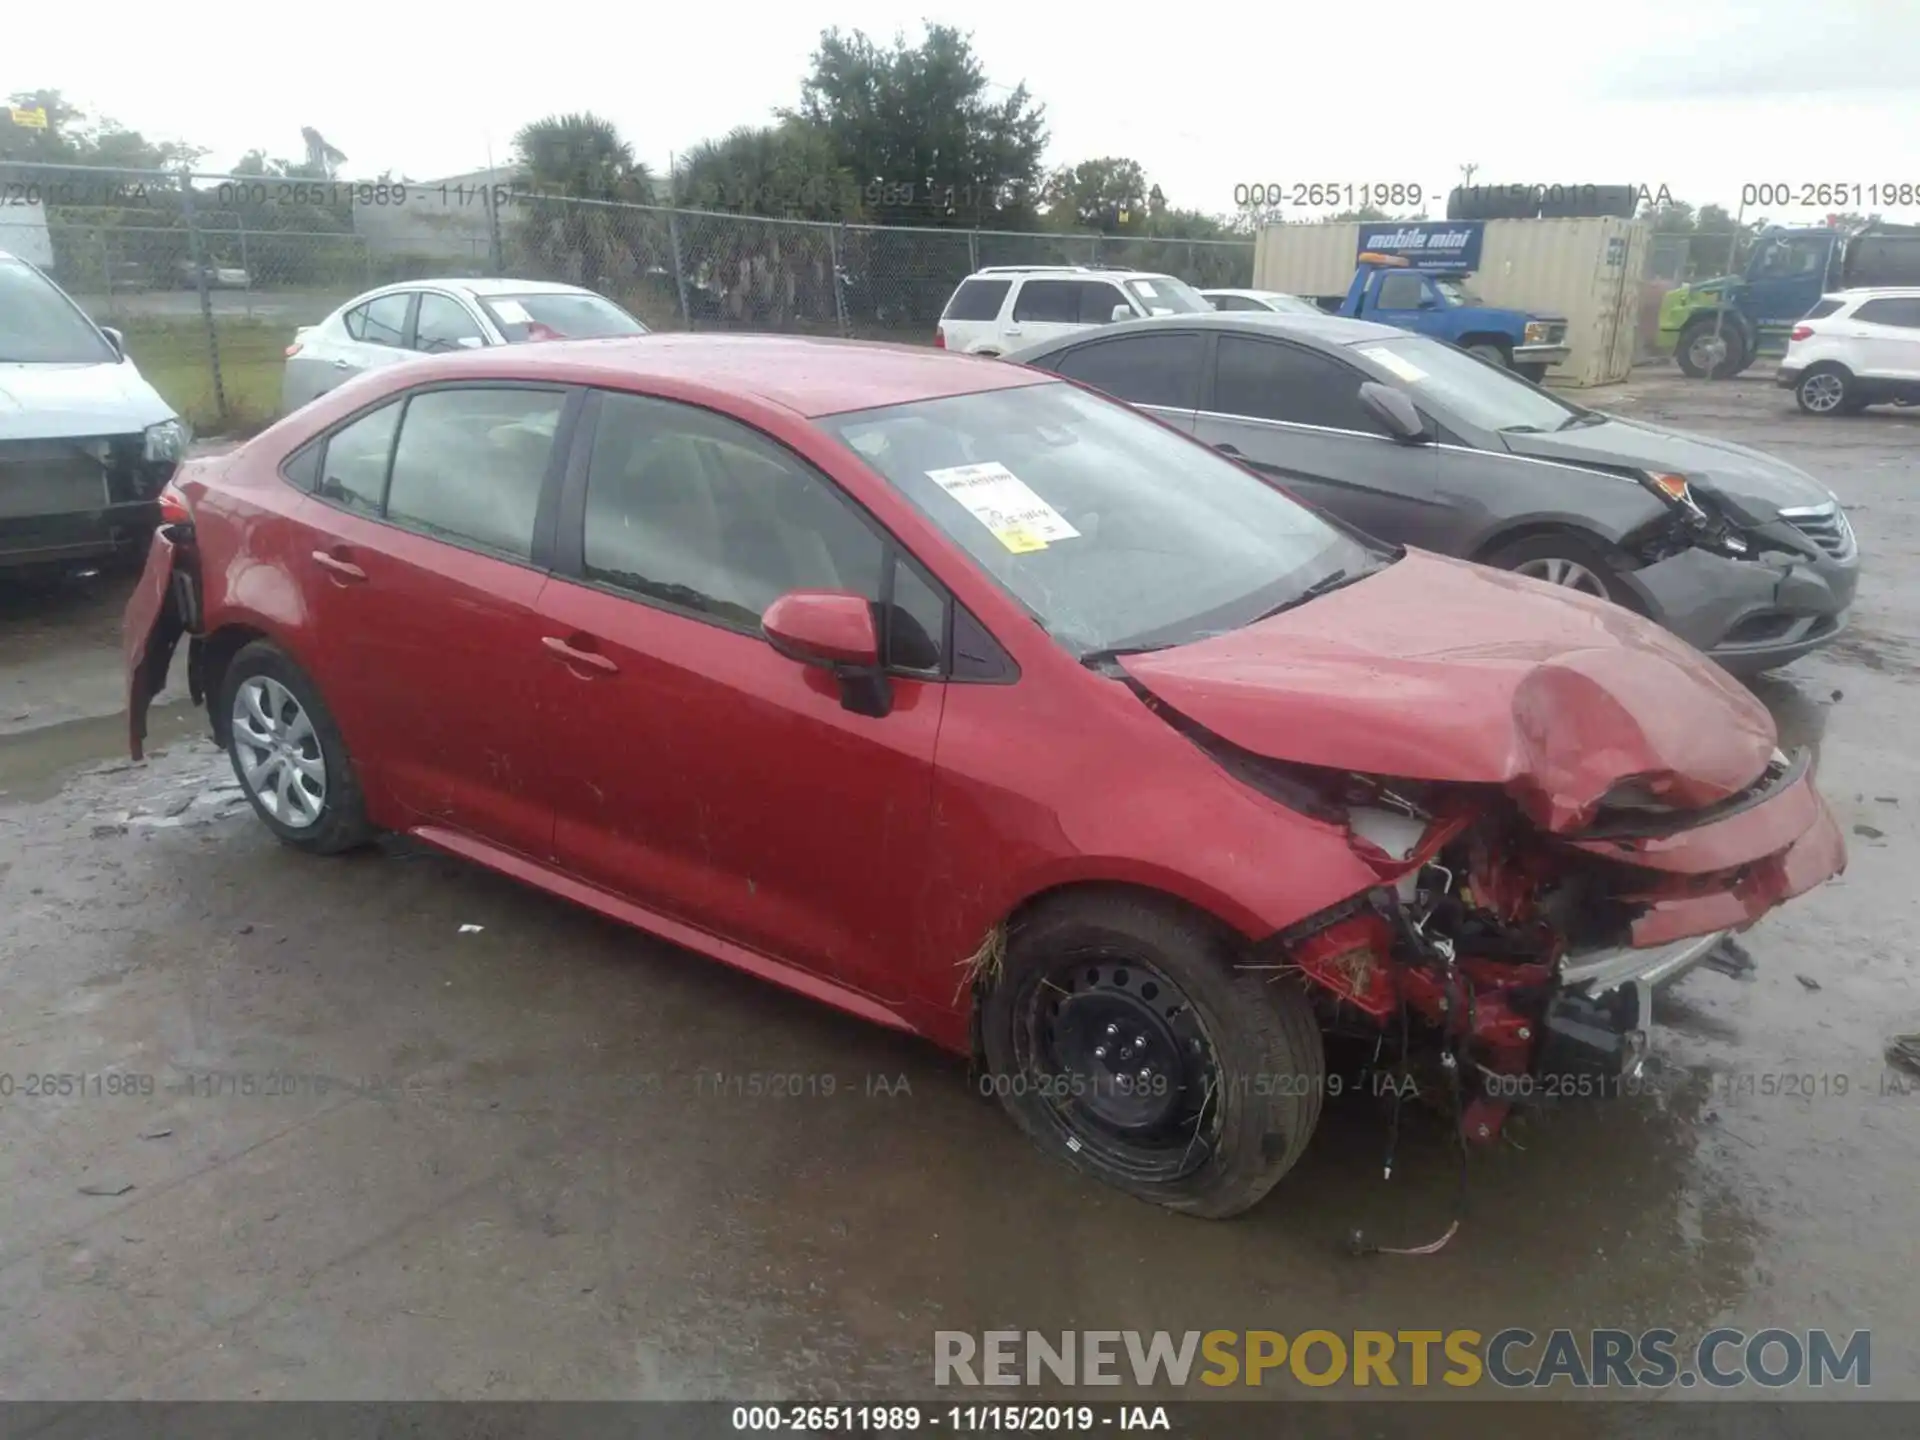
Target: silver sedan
pixel 431 317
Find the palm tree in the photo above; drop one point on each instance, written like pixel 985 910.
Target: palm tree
pixel 569 159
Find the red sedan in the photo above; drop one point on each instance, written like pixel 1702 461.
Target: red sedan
pixel 978 705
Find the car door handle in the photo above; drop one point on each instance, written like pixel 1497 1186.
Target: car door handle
pixel 345 569
pixel 573 655
pixel 1015 330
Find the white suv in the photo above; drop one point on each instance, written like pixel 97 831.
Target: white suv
pixel 1005 307
pixel 1854 349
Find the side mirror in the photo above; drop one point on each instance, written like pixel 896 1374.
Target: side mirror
pixel 1427 302
pixel 115 339
pixel 1394 410
pixel 1120 312
pixel 470 342
pixel 836 632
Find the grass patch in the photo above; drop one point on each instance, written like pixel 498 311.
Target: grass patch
pixel 174 356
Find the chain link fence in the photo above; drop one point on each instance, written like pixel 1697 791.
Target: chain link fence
pixel 208 276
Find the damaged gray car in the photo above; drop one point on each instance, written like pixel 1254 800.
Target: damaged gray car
pixel 1741 555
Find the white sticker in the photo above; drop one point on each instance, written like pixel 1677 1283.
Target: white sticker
pixel 1001 500
pixel 512 312
pixel 1396 362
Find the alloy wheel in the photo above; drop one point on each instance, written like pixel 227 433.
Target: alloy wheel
pixel 1569 573
pixel 1823 392
pixel 281 762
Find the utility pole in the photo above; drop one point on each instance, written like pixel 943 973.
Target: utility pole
pixel 1466 175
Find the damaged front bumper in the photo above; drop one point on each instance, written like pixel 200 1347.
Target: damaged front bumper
pixel 1530 958
pixel 1750 614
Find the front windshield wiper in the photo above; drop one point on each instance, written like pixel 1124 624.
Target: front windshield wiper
pixel 1104 657
pixel 1314 591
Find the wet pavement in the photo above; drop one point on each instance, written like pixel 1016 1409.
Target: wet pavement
pixel 327 1139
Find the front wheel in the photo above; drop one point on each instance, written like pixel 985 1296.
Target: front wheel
pixel 1492 354
pixel 1710 351
pixel 1566 559
pixel 288 754
pixel 1123 1040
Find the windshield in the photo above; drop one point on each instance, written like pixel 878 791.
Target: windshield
pixel 39 325
pixel 558 315
pixel 1114 531
pixel 1456 292
pixel 1477 393
pixel 1164 295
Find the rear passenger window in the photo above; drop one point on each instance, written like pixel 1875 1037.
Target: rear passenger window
pixel 1150 369
pixel 354 472
pixel 470 465
pixel 382 321
pixel 977 300
pixel 1049 302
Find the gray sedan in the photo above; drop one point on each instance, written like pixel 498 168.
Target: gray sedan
pixel 1740 554
pixel 436 317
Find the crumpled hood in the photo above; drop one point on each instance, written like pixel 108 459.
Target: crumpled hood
pixel 1435 669
pixel 53 402
pixel 1759 483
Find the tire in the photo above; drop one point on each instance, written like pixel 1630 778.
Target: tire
pixel 1534 374
pixel 1491 353
pixel 1827 390
pixel 324 824
pixel 1699 366
pixel 1238 1053
pixel 1539 556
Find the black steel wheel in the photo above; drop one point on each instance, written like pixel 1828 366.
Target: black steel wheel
pixel 1124 1039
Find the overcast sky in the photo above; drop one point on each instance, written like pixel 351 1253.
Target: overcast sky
pixel 1699 95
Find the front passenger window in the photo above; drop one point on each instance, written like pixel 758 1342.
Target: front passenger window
pixel 707 515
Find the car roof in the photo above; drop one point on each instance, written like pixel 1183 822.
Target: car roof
pixel 1250 294
pixel 807 375
pixel 1069 272
pixel 1320 330
pixel 1874 292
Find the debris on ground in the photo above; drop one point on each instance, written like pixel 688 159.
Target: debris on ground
pixel 105 1191
pixel 156 1134
pixel 471 929
pixel 1808 981
pixel 1904 1050
pixel 1886 799
pixel 1869 832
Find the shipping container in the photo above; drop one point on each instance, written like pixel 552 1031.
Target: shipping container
pixel 1589 270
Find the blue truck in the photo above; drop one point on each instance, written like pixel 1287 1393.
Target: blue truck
pixel 1717 328
pixel 1390 290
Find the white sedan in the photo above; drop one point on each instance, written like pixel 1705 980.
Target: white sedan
pixel 432 317
pixel 1269 300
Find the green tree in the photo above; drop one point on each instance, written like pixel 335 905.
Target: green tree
pixel 1109 195
pixel 581 171
pixel 921 134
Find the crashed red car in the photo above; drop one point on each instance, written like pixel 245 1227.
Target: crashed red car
pixel 985 708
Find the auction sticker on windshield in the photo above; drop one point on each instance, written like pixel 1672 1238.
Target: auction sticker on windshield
pixel 1002 501
pixel 512 312
pixel 1394 361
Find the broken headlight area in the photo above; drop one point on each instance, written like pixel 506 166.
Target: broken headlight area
pixel 1694 519
pixel 1518 964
